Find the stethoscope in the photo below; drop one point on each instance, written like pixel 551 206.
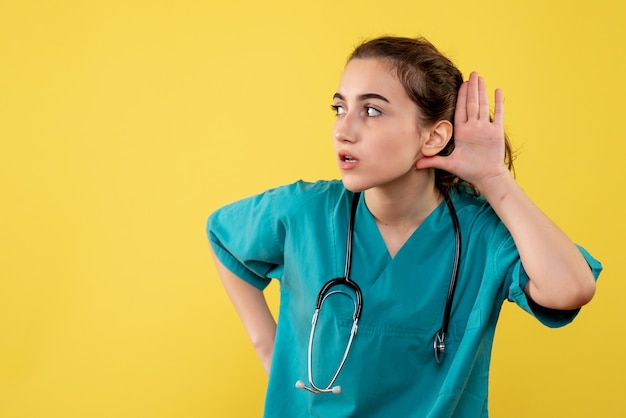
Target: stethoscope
pixel 439 345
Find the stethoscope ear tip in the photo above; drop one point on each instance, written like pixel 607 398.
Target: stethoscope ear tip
pixel 313 389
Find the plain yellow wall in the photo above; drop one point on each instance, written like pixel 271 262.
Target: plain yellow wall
pixel 124 123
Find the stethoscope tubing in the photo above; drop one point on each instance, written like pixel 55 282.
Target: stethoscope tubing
pixel 345 280
pixel 439 344
pixel 321 297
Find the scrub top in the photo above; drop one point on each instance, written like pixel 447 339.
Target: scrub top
pixel 297 235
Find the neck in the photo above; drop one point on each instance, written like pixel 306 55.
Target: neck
pixel 404 205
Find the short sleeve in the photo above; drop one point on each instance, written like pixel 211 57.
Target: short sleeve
pixel 247 236
pixel 517 279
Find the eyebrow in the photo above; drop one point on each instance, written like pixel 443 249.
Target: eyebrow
pixel 363 97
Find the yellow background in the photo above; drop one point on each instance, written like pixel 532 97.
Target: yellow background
pixel 124 123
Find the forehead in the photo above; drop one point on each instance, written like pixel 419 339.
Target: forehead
pixel 370 75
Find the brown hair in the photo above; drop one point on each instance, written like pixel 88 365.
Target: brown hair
pixel 432 82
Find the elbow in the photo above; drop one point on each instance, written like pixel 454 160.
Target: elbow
pixel 585 291
pixel 568 295
pixel 579 293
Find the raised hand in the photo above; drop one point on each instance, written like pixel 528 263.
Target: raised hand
pixel 479 141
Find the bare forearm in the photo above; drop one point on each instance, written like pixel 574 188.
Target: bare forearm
pixel 251 306
pixel 560 277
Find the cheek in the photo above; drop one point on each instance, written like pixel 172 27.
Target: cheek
pixel 395 153
pixel 407 142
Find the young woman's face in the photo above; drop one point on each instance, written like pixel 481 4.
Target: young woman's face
pixel 377 133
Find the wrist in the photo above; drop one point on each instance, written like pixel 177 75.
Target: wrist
pixel 496 188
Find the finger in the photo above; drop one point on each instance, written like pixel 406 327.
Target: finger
pixel 483 100
pixel 436 161
pixel 498 111
pixel 472 96
pixel 460 113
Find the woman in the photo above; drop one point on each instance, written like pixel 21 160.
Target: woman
pixel 431 226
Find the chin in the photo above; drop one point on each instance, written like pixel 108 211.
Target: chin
pixel 354 186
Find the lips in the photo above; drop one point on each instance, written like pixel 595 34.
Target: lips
pixel 347 161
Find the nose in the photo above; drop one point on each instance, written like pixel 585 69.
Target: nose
pixel 345 129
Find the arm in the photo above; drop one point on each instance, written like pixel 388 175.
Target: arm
pixel 250 304
pixel 559 275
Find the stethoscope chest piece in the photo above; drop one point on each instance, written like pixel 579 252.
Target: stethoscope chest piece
pixel 439 345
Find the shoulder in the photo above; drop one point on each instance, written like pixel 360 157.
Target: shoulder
pixel 289 199
pixel 477 217
pixel 302 194
pixel 307 189
pixel 470 205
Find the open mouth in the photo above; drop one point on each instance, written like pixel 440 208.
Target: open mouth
pixel 349 159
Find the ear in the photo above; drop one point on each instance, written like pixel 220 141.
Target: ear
pixel 438 136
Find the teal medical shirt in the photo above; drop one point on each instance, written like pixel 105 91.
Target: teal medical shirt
pixel 297 235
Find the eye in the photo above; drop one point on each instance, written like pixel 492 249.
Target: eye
pixel 372 112
pixel 338 110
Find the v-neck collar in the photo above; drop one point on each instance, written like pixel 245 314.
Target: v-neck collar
pixel 378 243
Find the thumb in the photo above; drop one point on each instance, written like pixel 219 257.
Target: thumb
pixel 436 161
